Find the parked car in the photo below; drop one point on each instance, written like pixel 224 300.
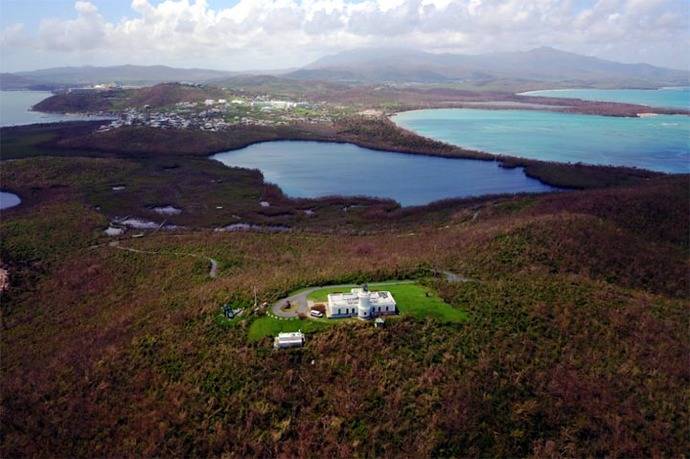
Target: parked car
pixel 315 313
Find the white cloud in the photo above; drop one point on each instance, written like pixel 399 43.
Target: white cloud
pixel 14 36
pixel 87 32
pixel 85 7
pixel 276 33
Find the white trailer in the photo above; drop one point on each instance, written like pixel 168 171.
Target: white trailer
pixel 292 339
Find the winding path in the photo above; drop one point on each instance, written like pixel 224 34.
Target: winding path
pixel 452 277
pixel 212 273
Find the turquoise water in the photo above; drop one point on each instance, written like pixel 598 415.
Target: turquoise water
pixel 15 105
pixel 8 200
pixel 665 98
pixel 317 169
pixel 660 143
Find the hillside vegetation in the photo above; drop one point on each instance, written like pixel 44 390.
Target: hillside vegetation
pixel 160 145
pixel 575 341
pixel 339 97
pixel 113 100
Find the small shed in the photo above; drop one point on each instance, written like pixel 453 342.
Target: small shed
pixel 379 322
pixel 286 340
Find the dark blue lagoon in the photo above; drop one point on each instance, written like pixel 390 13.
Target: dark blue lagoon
pixel 660 143
pixel 317 169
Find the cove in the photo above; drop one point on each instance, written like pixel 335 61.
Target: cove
pixel 660 143
pixel 8 200
pixel 307 169
pixel 15 109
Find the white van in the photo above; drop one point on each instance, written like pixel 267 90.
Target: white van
pixel 315 313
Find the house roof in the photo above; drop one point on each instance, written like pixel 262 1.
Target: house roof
pixel 381 298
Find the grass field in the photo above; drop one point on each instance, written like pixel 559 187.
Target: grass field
pixel 412 299
pixel 269 326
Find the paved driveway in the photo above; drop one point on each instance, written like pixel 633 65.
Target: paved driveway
pixel 298 299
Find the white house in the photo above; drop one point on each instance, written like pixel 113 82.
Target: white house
pixel 285 340
pixel 361 303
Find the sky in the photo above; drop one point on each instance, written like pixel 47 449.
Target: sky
pixel 275 34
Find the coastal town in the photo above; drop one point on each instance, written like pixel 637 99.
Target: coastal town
pixel 213 114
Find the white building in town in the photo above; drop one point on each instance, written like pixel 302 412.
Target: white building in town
pixel 361 303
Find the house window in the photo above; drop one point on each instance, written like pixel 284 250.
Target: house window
pixel 338 311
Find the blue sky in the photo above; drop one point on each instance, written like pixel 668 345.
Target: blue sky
pixel 263 34
pixel 31 12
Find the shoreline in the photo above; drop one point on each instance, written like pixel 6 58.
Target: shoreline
pixel 656 109
pixel 287 210
pixel 561 105
pixel 564 175
pixel 503 157
pixel 499 164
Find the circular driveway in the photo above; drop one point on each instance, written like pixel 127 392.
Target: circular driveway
pixel 298 299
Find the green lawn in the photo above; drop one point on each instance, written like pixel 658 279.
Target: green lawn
pixel 411 299
pixel 269 326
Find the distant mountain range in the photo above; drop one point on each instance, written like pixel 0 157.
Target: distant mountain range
pixel 54 78
pixel 540 64
pixel 385 65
